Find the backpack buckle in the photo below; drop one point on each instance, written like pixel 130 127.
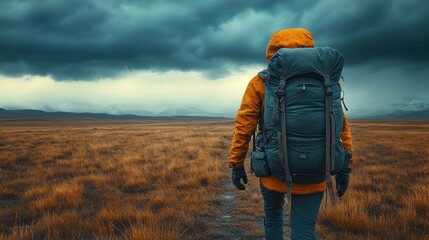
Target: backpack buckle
pixel 328 85
pixel 328 90
pixel 280 91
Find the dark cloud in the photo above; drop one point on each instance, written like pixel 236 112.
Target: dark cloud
pixel 86 40
pixel 378 31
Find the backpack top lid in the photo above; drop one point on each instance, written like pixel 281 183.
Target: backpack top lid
pixel 291 62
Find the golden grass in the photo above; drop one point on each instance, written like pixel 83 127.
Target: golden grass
pixel 389 185
pixel 163 180
pixel 98 180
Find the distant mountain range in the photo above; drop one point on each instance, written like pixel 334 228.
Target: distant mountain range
pixel 406 108
pixel 177 114
pixel 398 114
pixel 39 114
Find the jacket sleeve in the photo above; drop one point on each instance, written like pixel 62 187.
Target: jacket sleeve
pixel 246 121
pixel 346 136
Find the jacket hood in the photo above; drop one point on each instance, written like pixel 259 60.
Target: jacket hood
pixel 289 38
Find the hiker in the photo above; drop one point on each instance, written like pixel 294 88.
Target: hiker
pixel 305 197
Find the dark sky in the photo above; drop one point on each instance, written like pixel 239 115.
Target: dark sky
pixel 384 42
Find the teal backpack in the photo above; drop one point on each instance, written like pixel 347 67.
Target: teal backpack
pixel 299 137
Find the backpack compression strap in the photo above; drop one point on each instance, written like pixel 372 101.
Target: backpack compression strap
pixel 330 137
pixel 283 148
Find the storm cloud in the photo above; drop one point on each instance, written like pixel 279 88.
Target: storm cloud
pixel 88 40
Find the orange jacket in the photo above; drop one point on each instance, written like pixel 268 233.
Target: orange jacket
pixel 252 104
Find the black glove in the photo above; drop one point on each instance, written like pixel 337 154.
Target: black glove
pixel 237 174
pixel 342 178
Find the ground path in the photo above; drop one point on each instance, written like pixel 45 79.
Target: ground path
pixel 241 211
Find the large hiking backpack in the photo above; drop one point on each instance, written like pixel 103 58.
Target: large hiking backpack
pixel 300 135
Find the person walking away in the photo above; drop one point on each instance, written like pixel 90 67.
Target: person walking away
pixel 305 197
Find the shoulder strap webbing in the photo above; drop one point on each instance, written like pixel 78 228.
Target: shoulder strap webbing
pixel 330 138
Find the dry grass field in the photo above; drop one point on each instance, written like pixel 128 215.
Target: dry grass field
pixel 93 179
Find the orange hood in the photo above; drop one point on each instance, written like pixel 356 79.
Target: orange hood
pixel 289 38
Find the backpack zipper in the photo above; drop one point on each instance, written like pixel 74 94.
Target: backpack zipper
pixel 302 94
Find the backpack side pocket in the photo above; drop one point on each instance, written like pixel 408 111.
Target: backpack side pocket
pixel 259 164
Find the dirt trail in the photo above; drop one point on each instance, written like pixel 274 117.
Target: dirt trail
pixel 236 225
pixel 242 212
pixel 225 227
